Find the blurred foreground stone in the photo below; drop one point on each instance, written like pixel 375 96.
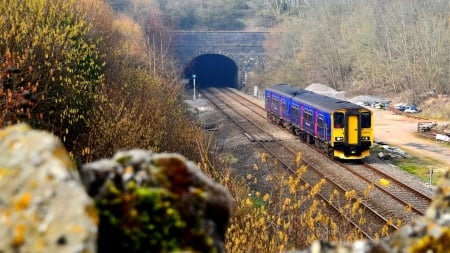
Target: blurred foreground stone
pixel 152 202
pixel 140 201
pixel 43 205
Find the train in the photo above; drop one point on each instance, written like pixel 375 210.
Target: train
pixel 339 128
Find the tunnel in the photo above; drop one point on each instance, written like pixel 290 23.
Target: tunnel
pixel 212 70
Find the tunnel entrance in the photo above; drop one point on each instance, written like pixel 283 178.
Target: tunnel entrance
pixel 212 70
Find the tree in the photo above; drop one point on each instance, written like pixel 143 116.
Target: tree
pixel 46 41
pixel 138 106
pixel 282 47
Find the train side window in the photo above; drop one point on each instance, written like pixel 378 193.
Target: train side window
pixel 308 115
pixel 366 120
pixel 275 103
pixel 339 120
pixel 295 110
pixel 320 123
pixel 284 106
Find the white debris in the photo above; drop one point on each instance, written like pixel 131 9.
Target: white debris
pixel 442 137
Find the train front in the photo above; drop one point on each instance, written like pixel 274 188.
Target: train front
pixel 352 133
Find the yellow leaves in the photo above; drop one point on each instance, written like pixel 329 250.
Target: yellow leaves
pixel 355 207
pixel 287 201
pixel 287 225
pixel 316 188
pixel 350 194
pixel 292 184
pixel 264 157
pixel 298 158
pixel 248 202
pixel 281 235
pixel 367 191
pixel 385 230
pixel 362 220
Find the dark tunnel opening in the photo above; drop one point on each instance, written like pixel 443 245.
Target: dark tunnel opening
pixel 212 70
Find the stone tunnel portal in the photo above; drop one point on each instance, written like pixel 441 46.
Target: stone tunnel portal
pixel 212 70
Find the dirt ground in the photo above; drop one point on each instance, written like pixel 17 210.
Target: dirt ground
pixel 400 131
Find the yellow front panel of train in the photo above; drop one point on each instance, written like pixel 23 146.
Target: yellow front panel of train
pixel 352 138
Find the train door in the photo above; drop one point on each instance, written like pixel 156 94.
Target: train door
pixel 285 105
pixel 352 129
pixel 302 118
pixel 295 114
pixel 275 100
pixel 268 100
pixel 321 127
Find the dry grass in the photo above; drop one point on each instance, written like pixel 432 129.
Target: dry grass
pixel 288 215
pixel 437 108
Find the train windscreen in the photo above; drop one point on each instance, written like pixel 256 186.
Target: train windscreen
pixel 366 120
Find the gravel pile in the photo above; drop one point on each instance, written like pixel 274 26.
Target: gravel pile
pixel 328 91
pixel 325 90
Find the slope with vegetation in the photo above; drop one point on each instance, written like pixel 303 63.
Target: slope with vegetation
pixel 99 75
pixel 98 80
pixel 397 47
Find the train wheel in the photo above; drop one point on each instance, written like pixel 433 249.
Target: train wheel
pixel 330 152
pixel 310 139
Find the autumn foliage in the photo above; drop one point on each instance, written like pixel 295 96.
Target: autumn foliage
pixel 50 69
pixel 90 76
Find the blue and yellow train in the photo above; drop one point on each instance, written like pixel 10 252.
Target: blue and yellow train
pixel 341 129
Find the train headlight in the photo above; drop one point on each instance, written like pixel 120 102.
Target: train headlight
pixel 339 138
pixel 365 138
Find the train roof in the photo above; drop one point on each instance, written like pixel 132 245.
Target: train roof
pixel 284 89
pixel 324 103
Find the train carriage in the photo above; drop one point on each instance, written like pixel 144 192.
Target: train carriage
pixel 340 128
pixel 278 103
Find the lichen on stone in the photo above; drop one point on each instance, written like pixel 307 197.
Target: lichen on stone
pixel 155 203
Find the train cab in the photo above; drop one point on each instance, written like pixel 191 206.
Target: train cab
pixel 352 134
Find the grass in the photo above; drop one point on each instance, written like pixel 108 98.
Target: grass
pixel 419 167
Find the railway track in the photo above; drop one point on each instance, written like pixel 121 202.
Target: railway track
pixel 224 101
pixel 412 199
